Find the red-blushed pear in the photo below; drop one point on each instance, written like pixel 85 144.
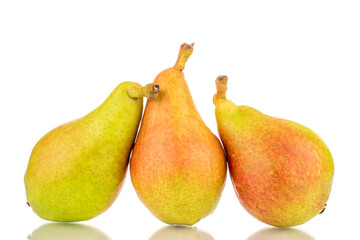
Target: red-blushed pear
pixel 282 172
pixel 76 171
pixel 178 166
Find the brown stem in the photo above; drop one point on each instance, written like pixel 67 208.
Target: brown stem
pixel 221 88
pixel 184 53
pixel 149 91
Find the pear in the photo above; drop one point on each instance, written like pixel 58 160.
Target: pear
pixel 178 166
pixel 282 172
pixel 75 171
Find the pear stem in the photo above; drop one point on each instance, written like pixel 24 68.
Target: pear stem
pixel 184 53
pixel 221 88
pixel 149 91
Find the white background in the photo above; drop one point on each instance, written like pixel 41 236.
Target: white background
pixel 298 60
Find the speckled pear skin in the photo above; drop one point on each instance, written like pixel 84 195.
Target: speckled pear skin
pixel 178 166
pixel 282 172
pixel 75 171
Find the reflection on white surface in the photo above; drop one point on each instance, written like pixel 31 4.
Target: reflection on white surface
pixel 67 231
pixel 180 233
pixel 276 233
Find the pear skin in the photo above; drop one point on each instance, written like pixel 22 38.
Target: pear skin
pixel 75 171
pixel 282 172
pixel 178 166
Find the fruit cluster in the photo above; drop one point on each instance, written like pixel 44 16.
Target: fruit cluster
pixel 282 172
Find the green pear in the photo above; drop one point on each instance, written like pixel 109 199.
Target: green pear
pixel 67 231
pixel 76 171
pixel 282 171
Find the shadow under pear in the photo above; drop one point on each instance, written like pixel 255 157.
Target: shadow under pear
pixel 276 233
pixel 180 233
pixel 67 231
